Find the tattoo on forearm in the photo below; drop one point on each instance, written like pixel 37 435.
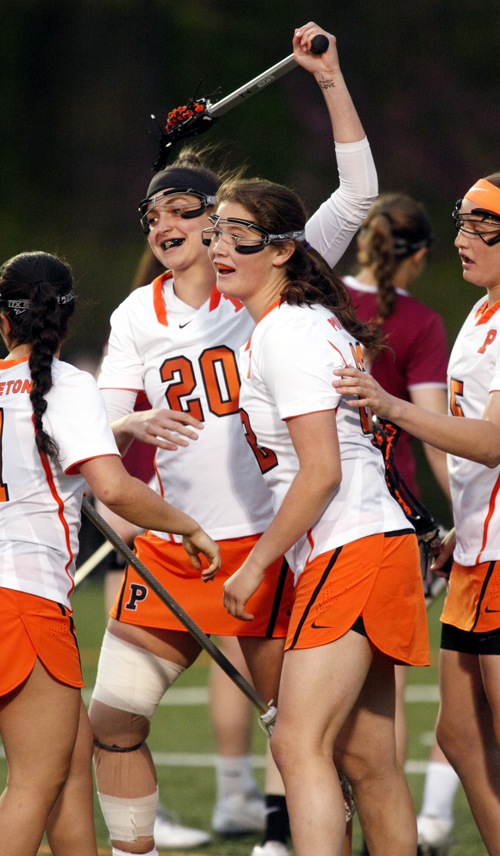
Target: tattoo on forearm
pixel 326 84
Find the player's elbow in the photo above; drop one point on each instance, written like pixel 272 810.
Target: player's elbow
pixel 115 492
pixel 329 477
pixel 491 458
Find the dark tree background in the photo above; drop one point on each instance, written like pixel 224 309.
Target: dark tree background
pixel 80 78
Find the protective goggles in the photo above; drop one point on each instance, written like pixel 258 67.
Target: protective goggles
pixel 150 207
pixel 479 220
pixel 248 237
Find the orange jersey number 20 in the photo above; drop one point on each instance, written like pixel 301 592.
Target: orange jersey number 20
pixel 220 378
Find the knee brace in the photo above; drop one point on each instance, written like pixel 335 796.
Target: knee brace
pixel 129 819
pixel 131 678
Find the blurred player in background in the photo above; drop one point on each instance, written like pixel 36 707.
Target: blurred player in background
pixel 468 728
pixel 393 246
pixel 55 436
pixel 177 340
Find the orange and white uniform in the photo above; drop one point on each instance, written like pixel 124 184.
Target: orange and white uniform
pixel 287 370
pixel 473 601
pixel 40 505
pixel 186 359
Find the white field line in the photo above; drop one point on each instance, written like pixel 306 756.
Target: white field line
pixel 199 695
pixel 188 696
pixel 200 759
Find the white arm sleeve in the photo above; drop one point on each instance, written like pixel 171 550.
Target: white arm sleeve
pixel 332 227
pixel 119 402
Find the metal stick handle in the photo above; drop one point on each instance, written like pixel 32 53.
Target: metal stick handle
pixel 258 83
pixel 190 625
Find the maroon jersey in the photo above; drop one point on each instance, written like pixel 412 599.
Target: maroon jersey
pixel 418 355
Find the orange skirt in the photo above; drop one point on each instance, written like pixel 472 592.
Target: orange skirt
pixel 170 564
pixel 377 577
pixel 473 597
pixel 32 627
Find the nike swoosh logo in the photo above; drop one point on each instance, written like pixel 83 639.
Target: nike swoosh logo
pixel 321 626
pixel 486 609
pixel 185 325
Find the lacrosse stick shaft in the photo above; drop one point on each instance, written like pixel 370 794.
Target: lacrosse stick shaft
pixel 253 86
pixel 190 625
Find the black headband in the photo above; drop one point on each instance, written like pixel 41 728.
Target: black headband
pixel 182 177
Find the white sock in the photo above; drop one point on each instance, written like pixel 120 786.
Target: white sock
pixel 116 852
pixel 234 775
pixel 441 783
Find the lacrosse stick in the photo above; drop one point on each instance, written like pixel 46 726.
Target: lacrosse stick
pixel 385 438
pixel 199 114
pixel 267 711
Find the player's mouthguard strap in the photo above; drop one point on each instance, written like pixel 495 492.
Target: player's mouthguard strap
pixel 486 195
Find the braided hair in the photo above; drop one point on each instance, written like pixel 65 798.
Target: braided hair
pixel 395 228
pixel 36 296
pixel 310 280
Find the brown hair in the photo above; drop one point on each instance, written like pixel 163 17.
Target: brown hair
pixel 395 228
pixel 36 295
pixel 494 178
pixel 310 279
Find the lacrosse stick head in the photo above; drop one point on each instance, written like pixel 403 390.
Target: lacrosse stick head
pixel 385 438
pixel 190 120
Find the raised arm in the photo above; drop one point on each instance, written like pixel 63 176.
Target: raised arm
pixel 334 224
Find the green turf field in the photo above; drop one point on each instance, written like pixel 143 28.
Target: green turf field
pixel 182 736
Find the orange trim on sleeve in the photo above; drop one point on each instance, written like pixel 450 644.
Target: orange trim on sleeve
pixel 339 352
pixel 310 412
pixel 74 470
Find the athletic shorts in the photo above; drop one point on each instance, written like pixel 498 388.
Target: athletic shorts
pixel 473 597
pixel 377 578
pixel 34 627
pixel 170 564
pixel 468 642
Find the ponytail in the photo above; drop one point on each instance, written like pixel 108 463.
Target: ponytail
pixel 395 228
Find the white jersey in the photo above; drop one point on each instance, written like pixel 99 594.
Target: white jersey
pixel 41 501
pixel 186 359
pixel 474 372
pixel 287 370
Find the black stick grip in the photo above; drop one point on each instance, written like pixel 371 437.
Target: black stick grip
pixel 319 44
